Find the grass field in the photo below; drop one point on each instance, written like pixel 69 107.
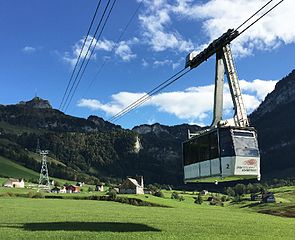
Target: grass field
pixel 25 218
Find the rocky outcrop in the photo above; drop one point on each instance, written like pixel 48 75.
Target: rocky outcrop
pixel 37 102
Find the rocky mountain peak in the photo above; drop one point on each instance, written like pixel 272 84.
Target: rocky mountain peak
pixel 37 102
pixel 155 128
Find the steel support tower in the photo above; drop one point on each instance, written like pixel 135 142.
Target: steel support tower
pixel 44 178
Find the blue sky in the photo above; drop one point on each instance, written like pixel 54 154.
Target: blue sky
pixel 41 39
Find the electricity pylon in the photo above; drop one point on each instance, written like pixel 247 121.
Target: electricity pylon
pixel 44 178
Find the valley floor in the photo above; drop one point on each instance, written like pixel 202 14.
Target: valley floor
pixel 26 218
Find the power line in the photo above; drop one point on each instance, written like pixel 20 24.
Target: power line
pixel 85 57
pixel 71 77
pixel 91 53
pixel 169 81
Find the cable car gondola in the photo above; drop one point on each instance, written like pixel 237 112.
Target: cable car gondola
pixel 227 150
pixel 222 154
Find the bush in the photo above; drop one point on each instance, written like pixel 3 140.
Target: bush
pixel 240 189
pixel 223 198
pixel 199 199
pixel 237 198
pixel 174 195
pixel 8 194
pixel 159 194
pixel 230 192
pixel 181 198
pixel 38 195
pixel 112 194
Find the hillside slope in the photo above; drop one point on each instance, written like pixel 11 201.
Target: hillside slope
pixel 9 168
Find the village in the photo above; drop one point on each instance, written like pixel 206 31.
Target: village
pixel 131 185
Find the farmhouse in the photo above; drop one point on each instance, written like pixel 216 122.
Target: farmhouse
pixel 16 183
pixel 99 187
pixel 73 189
pixel 63 190
pixel 268 197
pixel 132 185
pixel 55 190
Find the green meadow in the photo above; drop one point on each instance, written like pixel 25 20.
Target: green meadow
pixel 27 218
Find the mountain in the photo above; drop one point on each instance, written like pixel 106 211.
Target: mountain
pixel 93 149
pixel 274 121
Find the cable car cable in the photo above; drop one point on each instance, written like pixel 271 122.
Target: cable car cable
pixel 71 77
pixel 146 97
pixel 150 96
pixel 84 58
pixel 253 14
pixel 260 17
pixel 118 40
pixel 150 92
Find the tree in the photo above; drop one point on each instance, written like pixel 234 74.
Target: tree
pixel 159 194
pixel 199 199
pixel 112 194
pixel 230 192
pixel 240 189
pixel 174 195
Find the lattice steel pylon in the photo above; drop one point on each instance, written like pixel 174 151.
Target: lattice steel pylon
pixel 44 178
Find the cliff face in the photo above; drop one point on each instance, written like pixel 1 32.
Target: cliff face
pixel 274 121
pixel 284 93
pixel 160 156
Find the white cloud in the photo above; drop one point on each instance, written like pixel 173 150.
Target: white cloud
pixel 29 49
pixel 218 16
pixel 194 104
pixel 144 63
pixel 166 62
pixel 162 63
pixel 105 45
pixel 76 50
pixel 125 52
pixel 119 101
pixel 259 87
pixel 154 21
pixel 122 49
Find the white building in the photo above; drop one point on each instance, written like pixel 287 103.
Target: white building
pixel 132 185
pixel 14 183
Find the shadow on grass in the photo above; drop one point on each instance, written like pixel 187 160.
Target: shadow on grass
pixel 250 205
pixel 88 226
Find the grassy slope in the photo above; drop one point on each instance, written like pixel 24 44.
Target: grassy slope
pixel 71 219
pixel 9 168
